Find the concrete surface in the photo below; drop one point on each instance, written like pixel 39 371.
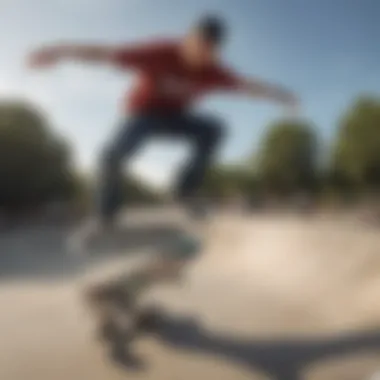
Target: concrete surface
pixel 271 297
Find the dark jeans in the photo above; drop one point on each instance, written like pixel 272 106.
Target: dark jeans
pixel 203 133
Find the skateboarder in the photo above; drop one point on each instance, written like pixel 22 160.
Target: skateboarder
pixel 171 75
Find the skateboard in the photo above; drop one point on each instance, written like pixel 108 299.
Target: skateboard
pixel 115 304
pixel 120 321
pixel 120 318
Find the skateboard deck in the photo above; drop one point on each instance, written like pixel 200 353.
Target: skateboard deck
pixel 114 303
pixel 117 311
pixel 120 320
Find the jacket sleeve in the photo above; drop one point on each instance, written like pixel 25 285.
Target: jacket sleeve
pixel 141 55
pixel 226 79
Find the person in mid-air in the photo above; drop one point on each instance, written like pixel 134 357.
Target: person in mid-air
pixel 170 76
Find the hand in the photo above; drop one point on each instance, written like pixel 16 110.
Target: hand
pixel 45 57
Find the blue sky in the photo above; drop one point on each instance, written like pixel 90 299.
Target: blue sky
pixel 326 50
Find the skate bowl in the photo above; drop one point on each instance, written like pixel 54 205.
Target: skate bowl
pixel 271 297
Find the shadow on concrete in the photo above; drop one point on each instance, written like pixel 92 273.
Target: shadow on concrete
pixel 278 359
pixel 42 253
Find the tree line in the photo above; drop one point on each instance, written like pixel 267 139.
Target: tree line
pixel 37 167
pixel 290 160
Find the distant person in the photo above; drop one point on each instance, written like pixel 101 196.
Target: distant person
pixel 170 76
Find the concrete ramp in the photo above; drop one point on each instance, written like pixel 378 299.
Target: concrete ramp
pixel 272 297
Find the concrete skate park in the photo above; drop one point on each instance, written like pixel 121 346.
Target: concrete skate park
pixel 270 297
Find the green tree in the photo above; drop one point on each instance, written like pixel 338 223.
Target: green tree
pixel 356 154
pixel 287 160
pixel 35 164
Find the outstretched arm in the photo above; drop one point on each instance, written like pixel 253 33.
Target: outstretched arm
pixel 258 89
pixel 278 94
pixel 127 56
pixel 51 55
